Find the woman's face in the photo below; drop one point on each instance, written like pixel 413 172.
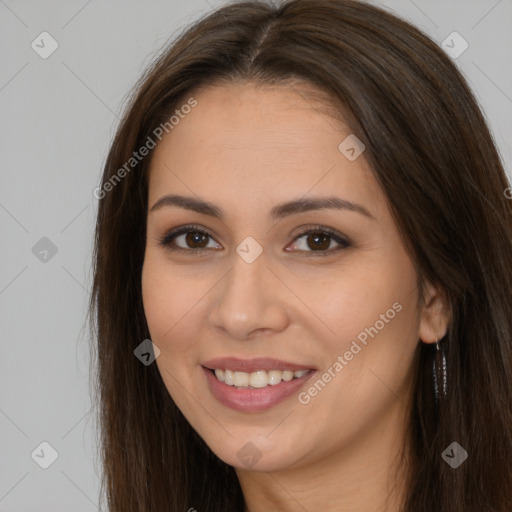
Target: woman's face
pixel 337 312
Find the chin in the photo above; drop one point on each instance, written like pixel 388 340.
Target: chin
pixel 257 453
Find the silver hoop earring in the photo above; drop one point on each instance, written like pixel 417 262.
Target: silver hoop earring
pixel 439 371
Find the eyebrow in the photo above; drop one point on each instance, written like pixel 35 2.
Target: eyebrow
pixel 278 212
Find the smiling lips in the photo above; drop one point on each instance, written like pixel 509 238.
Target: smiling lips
pixel 255 384
pixel 258 379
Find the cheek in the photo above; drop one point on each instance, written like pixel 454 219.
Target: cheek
pixel 157 300
pixel 354 299
pixel 167 300
pixel 168 306
pixel 367 362
pixel 373 321
pixel 175 309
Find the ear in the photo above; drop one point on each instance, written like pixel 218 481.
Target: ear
pixel 435 314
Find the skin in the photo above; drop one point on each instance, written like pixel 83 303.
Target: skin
pixel 247 148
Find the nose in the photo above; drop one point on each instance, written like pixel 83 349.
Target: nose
pixel 250 301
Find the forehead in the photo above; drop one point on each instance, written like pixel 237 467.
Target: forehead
pixel 259 142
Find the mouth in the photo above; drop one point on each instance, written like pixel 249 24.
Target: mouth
pixel 258 379
pixel 256 384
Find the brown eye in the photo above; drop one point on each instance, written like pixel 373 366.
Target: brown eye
pixel 318 241
pixel 195 239
pixel 189 238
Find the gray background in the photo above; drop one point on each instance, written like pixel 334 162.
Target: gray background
pixel 58 116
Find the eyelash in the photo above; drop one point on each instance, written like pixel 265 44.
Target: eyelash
pixel 191 228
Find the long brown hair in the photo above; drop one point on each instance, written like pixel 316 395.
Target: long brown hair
pixel 433 155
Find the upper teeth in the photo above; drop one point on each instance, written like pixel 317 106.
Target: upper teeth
pixel 258 379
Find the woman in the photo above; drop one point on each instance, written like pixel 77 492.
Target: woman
pixel 304 211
